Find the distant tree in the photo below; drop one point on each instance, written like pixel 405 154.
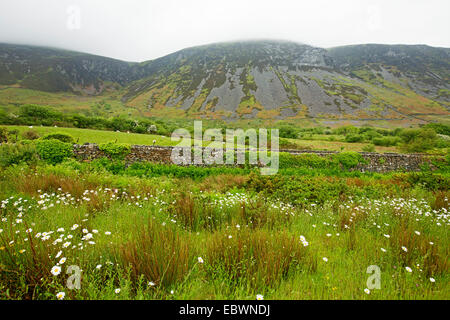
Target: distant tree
pixel 419 140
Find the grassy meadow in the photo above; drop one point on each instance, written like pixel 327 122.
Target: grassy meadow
pixel 182 233
pixel 318 229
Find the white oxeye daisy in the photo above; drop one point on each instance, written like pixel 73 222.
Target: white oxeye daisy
pixel 98 266
pixel 117 290
pixel 62 260
pixel 408 269
pixel 383 249
pixel 259 297
pixel 200 260
pixel 404 249
pixel 151 283
pixel 325 259
pixel 56 270
pixel 60 295
pixel 367 291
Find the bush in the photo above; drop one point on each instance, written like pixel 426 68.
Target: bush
pixel 3 135
pixel 386 141
pixel 439 128
pixel 369 148
pixel 53 151
pixel 430 181
pixel 63 137
pixel 354 138
pixel 419 140
pixel 348 159
pixel 115 150
pixel 288 160
pixel 30 135
pixel 287 132
pixel 11 154
pixel 13 133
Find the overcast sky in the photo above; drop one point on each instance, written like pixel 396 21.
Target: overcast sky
pixel 138 30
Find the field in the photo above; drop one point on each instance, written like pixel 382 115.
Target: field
pixel 81 136
pixel 221 234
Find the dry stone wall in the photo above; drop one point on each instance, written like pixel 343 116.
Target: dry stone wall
pixel 375 162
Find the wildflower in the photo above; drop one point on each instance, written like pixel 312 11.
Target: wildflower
pixel 383 249
pixel 62 260
pixel 151 283
pixel 432 280
pixel 259 297
pixel 107 233
pixel 60 295
pixel 325 259
pixel 408 269
pixel 56 270
pixel 417 232
pixel 66 244
pixel 404 249
pixel 58 254
pixel 117 291
pixel 367 291
pixel 22 251
pixel 200 260
pixel 98 266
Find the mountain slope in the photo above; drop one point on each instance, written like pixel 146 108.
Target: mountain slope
pixel 252 79
pixel 54 70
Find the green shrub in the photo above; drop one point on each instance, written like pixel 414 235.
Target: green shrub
pixel 419 140
pixel 63 137
pixel 3 134
pixel 354 138
pixel 287 160
pixel 30 135
pixel 298 190
pixel 386 141
pixel 115 150
pixel 17 153
pixel 430 181
pixel 13 133
pixel 369 148
pixel 348 159
pixel 53 151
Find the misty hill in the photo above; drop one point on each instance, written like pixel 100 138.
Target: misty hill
pixel 251 79
pixel 54 70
